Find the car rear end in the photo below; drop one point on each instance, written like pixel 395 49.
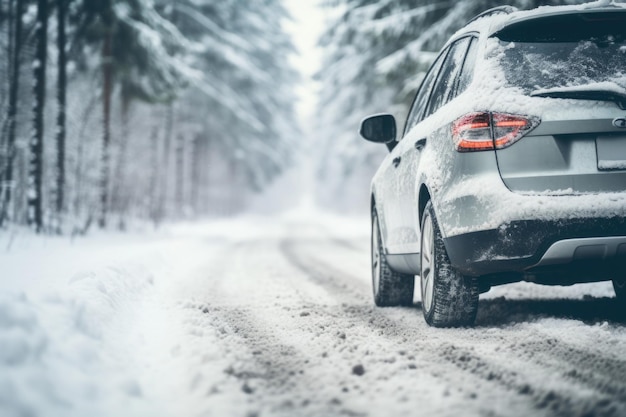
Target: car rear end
pixel 553 208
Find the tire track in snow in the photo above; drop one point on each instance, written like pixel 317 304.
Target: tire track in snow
pixel 320 272
pixel 379 321
pixel 599 372
pixel 592 373
pixel 270 369
pixel 564 393
pixel 268 351
pixel 276 370
pixel 303 306
pixel 348 244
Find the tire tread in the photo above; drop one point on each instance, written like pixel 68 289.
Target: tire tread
pixel 455 298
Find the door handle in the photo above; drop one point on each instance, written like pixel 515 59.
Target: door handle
pixel 396 161
pixel 419 145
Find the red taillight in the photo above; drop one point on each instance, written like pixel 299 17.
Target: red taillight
pixel 486 131
pixel 472 132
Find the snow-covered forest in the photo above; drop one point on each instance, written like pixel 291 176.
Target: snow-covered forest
pixel 137 109
pixel 120 110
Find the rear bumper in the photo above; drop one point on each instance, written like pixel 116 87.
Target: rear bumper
pixel 533 247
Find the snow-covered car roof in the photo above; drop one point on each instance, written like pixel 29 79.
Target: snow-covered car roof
pixel 495 22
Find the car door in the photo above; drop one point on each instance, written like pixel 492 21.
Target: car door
pixel 437 93
pixel 395 184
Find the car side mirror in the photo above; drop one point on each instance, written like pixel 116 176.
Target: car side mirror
pixel 380 128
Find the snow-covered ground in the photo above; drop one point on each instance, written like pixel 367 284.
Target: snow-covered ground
pixel 272 316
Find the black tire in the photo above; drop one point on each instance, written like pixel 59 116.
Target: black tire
pixel 390 288
pixel 449 299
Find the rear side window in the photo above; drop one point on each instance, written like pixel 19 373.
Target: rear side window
pixel 465 78
pixel 566 51
pixel 448 77
pixel 417 109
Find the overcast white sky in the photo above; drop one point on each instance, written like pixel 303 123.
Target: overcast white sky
pixel 307 26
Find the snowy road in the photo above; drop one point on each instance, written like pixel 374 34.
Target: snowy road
pixel 274 317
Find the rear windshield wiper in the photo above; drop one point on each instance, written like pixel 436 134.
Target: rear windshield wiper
pixel 600 95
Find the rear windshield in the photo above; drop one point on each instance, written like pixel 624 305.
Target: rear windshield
pixel 565 51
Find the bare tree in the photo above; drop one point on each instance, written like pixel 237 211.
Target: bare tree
pixel 180 174
pixel 15 33
pixel 35 174
pixel 107 72
pixel 62 105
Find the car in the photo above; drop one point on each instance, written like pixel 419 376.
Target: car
pixel 511 165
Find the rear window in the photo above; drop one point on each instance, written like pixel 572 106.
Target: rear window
pixel 574 50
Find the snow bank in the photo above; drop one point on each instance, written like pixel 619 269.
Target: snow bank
pixel 50 348
pixel 23 343
pixel 96 296
pixel 58 303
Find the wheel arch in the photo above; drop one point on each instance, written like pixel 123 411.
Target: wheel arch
pixel 423 198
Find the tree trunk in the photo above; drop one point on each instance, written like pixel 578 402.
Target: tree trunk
pixel 180 174
pixel 79 176
pixel 154 202
pixel 4 142
pixel 6 191
pixel 107 70
pixel 165 163
pixel 35 192
pixel 120 194
pixel 61 99
pixel 208 164
pixel 196 174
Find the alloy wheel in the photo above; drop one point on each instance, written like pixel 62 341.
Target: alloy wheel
pixel 375 255
pixel 427 264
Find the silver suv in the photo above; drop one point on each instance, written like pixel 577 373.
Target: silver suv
pixel 511 165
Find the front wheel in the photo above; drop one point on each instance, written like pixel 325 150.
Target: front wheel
pixel 391 288
pixel 449 299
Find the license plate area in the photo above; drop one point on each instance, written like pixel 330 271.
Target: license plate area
pixel 611 151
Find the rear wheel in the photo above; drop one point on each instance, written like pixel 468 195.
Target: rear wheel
pixel 449 299
pixel 391 288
